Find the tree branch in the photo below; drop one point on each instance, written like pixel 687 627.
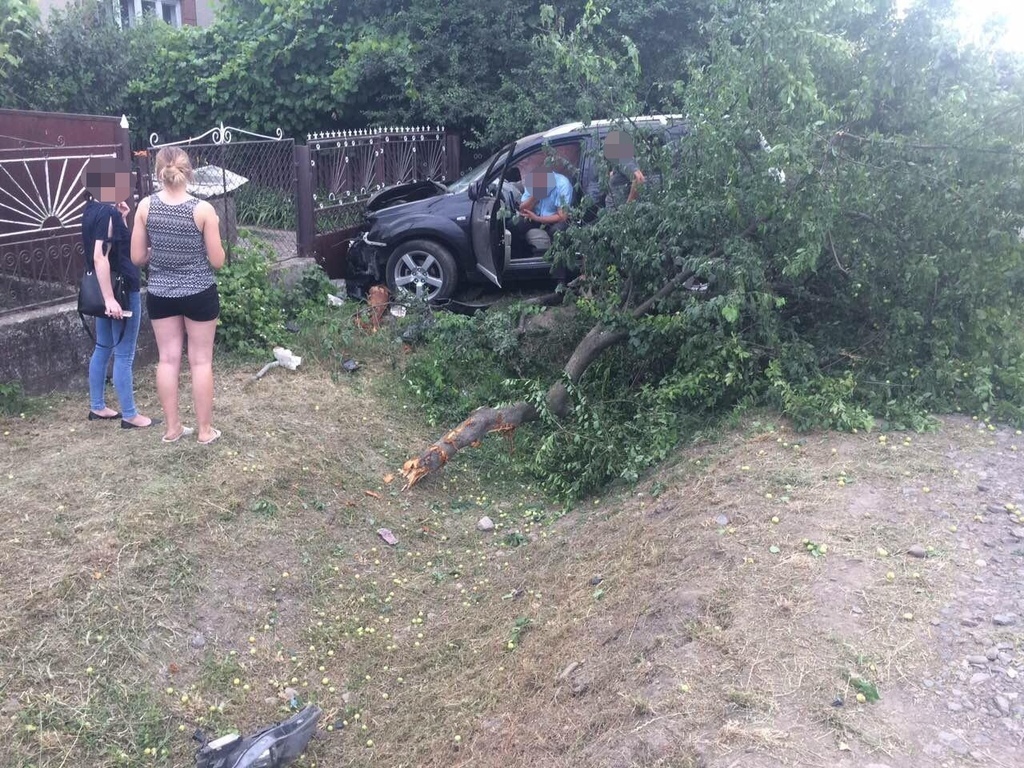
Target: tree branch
pixel 483 421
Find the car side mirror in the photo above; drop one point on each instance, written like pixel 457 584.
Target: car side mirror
pixel 473 190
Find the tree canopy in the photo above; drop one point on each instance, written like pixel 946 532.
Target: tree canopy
pixel 484 68
pixel 839 237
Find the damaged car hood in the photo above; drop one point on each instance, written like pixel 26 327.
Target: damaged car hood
pixel 405 193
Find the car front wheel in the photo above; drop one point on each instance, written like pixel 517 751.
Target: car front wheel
pixel 422 269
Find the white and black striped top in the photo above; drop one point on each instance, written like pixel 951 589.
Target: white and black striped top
pixel 178 265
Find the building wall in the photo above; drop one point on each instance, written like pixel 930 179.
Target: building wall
pixel 193 12
pixel 204 12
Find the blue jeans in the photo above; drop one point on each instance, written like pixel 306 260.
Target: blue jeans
pixel 107 332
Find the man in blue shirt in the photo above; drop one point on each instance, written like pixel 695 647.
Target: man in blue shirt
pixel 546 201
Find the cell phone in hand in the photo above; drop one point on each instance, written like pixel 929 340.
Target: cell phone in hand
pixel 126 313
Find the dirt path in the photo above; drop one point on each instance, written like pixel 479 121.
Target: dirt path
pixel 786 574
pixel 974 692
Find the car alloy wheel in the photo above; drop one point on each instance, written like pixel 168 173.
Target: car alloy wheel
pixel 422 269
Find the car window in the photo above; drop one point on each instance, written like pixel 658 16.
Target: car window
pixel 563 158
pixel 462 184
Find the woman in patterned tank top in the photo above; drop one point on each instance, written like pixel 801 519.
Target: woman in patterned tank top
pixel 178 236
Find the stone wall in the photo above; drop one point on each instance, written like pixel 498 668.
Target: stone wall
pixel 47 350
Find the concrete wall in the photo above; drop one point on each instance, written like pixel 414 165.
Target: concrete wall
pixel 47 350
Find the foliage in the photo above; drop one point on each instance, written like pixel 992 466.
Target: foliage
pixel 607 438
pixel 265 207
pixel 493 70
pixel 458 371
pixel 306 298
pixel 488 69
pixel 18 19
pixel 78 62
pixel 251 313
pixel 848 202
pixel 13 399
pixel 820 402
pixel 878 278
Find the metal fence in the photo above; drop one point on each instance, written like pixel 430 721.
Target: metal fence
pixel 42 159
pixel 339 170
pixel 250 181
pixel 290 200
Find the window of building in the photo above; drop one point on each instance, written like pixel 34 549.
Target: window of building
pixel 130 11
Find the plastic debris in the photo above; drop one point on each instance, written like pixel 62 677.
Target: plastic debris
pixel 274 747
pixel 388 536
pixel 286 358
pixel 283 358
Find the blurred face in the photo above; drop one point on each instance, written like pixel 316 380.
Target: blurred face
pixel 538 181
pixel 618 145
pixel 118 187
pixel 108 180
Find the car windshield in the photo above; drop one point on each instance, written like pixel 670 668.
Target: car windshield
pixel 477 173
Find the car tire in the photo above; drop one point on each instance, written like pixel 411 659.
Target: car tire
pixel 422 269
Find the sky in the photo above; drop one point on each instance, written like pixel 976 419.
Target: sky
pixel 974 14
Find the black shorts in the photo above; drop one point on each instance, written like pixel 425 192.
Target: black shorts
pixel 199 307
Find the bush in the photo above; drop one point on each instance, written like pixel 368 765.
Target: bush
pixel 308 296
pixel 251 308
pixel 13 399
pixel 457 370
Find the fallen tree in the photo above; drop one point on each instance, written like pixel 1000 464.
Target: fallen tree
pixel 861 259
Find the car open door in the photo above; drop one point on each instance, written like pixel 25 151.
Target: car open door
pixel 492 242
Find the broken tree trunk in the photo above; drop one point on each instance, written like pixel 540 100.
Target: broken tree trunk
pixel 471 432
pixel 505 420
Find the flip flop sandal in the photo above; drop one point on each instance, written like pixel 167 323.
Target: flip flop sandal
pixel 216 435
pixel 185 432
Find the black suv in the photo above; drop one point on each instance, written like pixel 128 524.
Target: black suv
pixel 427 239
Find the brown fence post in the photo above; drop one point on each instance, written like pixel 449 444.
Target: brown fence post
pixel 125 139
pixel 305 226
pixel 452 149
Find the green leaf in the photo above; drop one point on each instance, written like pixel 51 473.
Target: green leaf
pixel 870 690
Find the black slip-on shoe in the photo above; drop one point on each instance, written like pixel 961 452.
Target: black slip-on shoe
pixel 97 417
pixel 129 425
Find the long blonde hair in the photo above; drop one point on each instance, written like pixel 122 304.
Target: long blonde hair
pixel 173 167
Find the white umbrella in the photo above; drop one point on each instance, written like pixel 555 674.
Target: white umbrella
pixel 211 181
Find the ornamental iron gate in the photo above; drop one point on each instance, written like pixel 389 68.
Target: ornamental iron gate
pixel 339 170
pixel 42 162
pixel 251 183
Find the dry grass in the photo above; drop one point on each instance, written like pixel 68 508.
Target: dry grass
pixel 634 632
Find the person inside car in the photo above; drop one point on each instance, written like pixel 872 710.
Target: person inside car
pixel 624 177
pixel 545 203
